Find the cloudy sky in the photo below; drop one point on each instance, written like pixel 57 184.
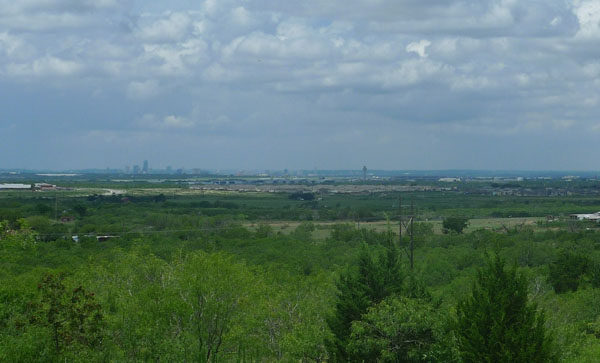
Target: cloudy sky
pixel 328 84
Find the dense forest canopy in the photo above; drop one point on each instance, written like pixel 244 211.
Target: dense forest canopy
pixel 296 277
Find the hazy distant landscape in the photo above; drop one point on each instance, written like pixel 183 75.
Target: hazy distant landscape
pixel 299 181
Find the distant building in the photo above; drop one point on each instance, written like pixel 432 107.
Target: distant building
pixel 105 238
pixel 589 217
pixel 15 186
pixel 45 186
pixel 364 169
pixel 145 167
pixel 136 169
pixel 449 180
pixel 127 169
pixel 169 169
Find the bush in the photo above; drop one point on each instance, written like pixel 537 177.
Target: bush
pixel 567 271
pixel 455 224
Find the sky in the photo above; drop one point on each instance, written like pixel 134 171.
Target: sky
pixel 303 84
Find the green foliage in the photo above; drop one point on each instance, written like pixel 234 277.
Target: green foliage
pixel 264 231
pixel 80 209
pixel 43 209
pixel 217 295
pixel 378 276
pixel 304 231
pixel 72 316
pixel 567 271
pixel 291 301
pixel 422 230
pixel 401 330
pixel 302 196
pixel 455 224
pixel 594 272
pixel 496 323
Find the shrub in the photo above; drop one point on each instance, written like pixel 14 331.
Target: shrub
pixel 567 271
pixel 454 224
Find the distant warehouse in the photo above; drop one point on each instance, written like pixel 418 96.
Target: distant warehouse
pixel 15 186
pixel 589 217
pixel 36 186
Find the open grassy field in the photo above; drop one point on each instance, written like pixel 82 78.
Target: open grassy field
pixel 323 229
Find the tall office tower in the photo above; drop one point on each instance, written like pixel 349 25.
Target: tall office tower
pixel 145 167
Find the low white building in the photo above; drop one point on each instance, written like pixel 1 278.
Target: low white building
pixel 15 186
pixel 589 217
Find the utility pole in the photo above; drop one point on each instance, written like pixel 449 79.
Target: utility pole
pixel 407 223
pixel 412 246
pixel 400 218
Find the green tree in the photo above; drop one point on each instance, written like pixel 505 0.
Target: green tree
pixel 454 224
pixel 496 323
pixel 217 297
pixel 377 277
pixel 73 316
pixel 567 271
pixel 400 330
pixel 594 273
pixel 80 209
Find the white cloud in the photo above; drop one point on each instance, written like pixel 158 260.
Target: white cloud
pixel 419 47
pixel 143 90
pixel 412 72
pixel 176 27
pixel 588 15
pixel 151 121
pixel 175 58
pixel 15 47
pixel 45 66
pixel 178 122
pixel 242 17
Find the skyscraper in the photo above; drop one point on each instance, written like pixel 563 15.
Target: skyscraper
pixel 145 167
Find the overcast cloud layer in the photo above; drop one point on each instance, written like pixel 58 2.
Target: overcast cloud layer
pixel 331 84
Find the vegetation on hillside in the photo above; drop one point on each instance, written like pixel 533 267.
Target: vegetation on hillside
pixel 211 278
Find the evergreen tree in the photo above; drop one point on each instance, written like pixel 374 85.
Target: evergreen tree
pixel 376 277
pixel 497 324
